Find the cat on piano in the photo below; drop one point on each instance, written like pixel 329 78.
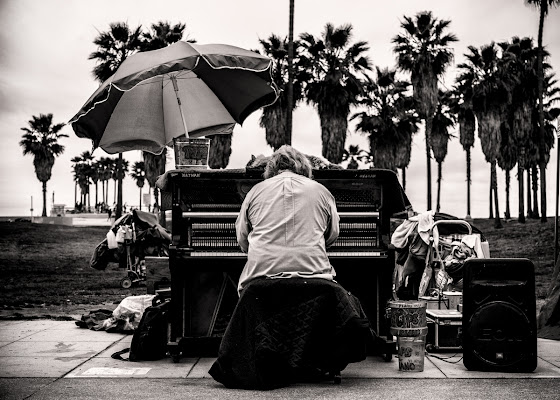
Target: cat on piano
pixel 260 161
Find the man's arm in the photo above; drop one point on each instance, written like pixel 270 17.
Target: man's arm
pixel 243 226
pixel 333 229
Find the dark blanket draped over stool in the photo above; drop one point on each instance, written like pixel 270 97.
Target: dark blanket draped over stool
pixel 289 330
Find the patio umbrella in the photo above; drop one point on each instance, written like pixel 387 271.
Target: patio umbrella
pixel 183 89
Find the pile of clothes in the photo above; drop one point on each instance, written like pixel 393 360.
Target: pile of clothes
pixel 123 319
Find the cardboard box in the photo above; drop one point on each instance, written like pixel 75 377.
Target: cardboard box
pixel 435 302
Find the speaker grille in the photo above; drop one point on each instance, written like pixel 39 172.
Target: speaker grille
pixel 499 315
pixel 500 333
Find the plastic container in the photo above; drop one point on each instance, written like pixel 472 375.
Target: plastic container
pixel 411 353
pixel 408 318
pixel 191 152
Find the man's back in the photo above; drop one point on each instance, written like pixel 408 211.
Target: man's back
pixel 285 225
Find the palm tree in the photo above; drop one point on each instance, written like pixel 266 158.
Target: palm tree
pixel 274 118
pixel 492 87
pixel 462 108
pixel 543 145
pixel 219 152
pixel 119 169
pixel 41 140
pixel 389 121
pixel 113 47
pixel 336 81
pixel 138 173
pixel 522 64
pixel 544 6
pixel 87 171
pixel 290 103
pixel 161 35
pixel 507 156
pixel 95 178
pixel 439 139
pixel 423 50
pixel 105 164
pixel 76 171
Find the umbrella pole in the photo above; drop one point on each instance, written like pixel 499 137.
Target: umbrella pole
pixel 176 88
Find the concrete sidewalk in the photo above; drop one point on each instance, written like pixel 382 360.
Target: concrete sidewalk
pixel 61 351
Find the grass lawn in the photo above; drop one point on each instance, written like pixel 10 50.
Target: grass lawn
pixel 47 266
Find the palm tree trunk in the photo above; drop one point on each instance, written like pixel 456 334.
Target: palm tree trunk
pixel 438 204
pixel 535 189
pixel 290 93
pixel 497 221
pixel 403 174
pixel 529 200
pixel 119 192
pixel 540 73
pixel 428 132
pixel 140 202
pixel 468 183
pixel 508 180
pixel 491 214
pixel 542 168
pixel 520 193
pixel 44 214
pixel 75 193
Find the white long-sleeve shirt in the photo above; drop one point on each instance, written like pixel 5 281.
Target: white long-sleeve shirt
pixel 285 225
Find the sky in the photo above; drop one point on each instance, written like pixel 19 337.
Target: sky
pixel 45 44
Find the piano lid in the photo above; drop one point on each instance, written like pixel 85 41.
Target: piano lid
pixel 395 199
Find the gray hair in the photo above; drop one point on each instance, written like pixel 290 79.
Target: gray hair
pixel 286 158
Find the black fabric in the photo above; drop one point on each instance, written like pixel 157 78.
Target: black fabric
pixel 94 319
pixel 149 341
pixel 289 330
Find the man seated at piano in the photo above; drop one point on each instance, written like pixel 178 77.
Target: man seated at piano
pixel 293 322
pixel 287 222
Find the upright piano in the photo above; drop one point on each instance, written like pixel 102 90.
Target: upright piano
pixel 205 260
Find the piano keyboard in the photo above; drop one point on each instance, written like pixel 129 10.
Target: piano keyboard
pixel 333 254
pixel 234 214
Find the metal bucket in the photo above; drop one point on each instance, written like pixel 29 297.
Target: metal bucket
pixel 408 318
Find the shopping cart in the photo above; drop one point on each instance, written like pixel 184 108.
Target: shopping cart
pixel 131 238
pixel 433 265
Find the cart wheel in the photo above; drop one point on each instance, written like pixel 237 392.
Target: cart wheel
pixel 126 283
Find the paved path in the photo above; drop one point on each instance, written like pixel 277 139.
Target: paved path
pixel 45 359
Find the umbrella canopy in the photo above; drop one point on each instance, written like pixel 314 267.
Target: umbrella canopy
pixel 183 89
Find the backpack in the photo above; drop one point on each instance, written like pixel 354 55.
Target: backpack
pixel 149 341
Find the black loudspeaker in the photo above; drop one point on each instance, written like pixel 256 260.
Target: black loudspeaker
pixel 499 315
